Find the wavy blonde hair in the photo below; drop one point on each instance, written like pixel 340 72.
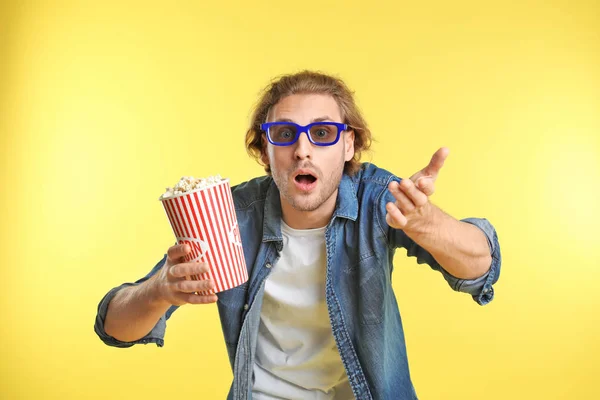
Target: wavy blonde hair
pixel 309 82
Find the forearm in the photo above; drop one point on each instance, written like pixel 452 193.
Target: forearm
pixel 133 312
pixel 459 247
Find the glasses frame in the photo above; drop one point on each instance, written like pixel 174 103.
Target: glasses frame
pixel 304 128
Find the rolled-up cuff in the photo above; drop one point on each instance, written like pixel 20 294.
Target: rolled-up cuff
pixel 156 335
pixel 481 289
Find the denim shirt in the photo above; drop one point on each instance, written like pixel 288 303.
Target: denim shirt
pixel 363 312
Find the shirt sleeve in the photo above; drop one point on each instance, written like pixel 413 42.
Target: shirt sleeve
pixel 156 335
pixel 481 289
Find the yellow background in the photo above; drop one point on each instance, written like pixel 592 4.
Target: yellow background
pixel 104 104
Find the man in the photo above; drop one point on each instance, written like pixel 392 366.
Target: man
pixel 317 318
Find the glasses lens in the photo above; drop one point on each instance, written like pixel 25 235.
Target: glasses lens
pixel 282 133
pixel 323 133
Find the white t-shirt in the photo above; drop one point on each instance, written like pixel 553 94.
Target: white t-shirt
pixel 296 354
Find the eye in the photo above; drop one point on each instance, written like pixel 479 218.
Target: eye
pixel 321 133
pixel 286 134
pixel 283 133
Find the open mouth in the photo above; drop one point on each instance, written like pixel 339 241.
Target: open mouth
pixel 305 182
pixel 305 179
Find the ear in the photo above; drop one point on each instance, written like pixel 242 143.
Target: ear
pixel 349 145
pixel 263 153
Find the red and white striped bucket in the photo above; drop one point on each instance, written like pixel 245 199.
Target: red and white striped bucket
pixel 205 220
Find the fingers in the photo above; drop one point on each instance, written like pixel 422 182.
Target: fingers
pixel 194 286
pixel 426 184
pixel 394 217
pixel 177 252
pixel 407 195
pixel 199 299
pixel 437 161
pixel 417 197
pixel 188 269
pixel 409 201
pixel 402 201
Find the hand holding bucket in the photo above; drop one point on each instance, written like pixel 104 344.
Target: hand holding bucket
pixel 205 220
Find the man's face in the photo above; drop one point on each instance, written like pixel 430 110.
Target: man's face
pixel 290 165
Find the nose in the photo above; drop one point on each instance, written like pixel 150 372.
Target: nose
pixel 303 147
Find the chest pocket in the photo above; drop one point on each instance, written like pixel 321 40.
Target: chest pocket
pixel 370 282
pixel 231 309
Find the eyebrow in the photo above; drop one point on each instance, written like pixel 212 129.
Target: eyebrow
pixel 320 119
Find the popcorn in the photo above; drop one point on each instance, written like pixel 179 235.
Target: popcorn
pixel 189 183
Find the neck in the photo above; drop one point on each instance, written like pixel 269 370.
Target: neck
pixel 318 218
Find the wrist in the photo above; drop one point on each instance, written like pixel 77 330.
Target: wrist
pixel 153 294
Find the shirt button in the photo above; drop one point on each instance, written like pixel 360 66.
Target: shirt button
pixel 268 265
pixel 245 306
pixel 485 291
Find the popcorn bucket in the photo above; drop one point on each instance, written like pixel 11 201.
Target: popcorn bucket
pixel 205 220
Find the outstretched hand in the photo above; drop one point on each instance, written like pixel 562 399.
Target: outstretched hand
pixel 425 178
pixel 412 207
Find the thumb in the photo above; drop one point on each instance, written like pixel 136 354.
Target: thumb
pixel 437 161
pixel 177 252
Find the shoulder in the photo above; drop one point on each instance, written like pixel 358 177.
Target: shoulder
pixel 371 187
pixel 372 176
pixel 246 193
